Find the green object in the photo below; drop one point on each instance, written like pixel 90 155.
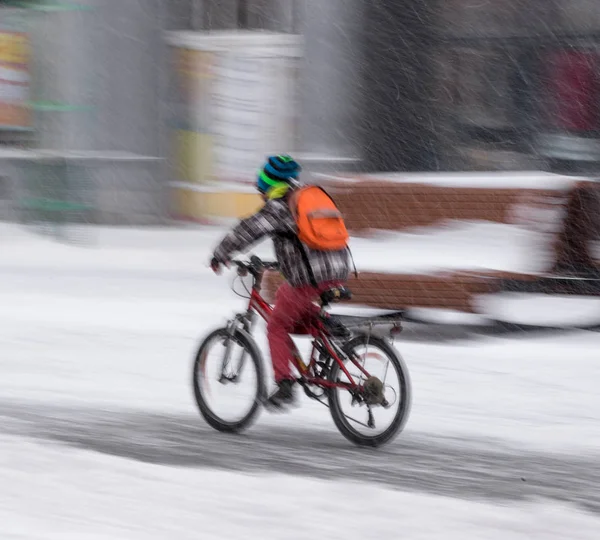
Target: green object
pixel 269 181
pixel 49 6
pixel 53 205
pixel 53 106
pixel 56 196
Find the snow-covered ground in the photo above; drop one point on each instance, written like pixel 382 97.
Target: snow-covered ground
pixel 453 246
pixel 456 246
pixel 50 494
pixel 487 179
pixel 113 327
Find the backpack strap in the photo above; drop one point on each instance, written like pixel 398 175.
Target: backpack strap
pixel 311 274
pixel 300 246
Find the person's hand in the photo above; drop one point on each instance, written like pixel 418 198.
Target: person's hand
pixel 215 265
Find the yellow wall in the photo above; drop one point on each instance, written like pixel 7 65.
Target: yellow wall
pixel 207 205
pixel 193 155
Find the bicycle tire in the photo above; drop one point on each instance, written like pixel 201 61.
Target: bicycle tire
pixel 243 339
pixel 401 417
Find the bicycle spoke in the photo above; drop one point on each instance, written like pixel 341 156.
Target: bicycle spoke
pixel 237 374
pixel 223 377
pixel 382 417
pixel 387 365
pixel 363 371
pixel 358 422
pixel 231 403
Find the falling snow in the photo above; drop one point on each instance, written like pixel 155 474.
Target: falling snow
pixel 130 136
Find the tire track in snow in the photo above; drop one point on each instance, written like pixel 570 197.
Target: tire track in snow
pixel 471 469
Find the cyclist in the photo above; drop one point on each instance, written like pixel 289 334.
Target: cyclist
pixel 307 272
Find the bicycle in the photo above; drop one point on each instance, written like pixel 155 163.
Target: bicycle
pixel 333 355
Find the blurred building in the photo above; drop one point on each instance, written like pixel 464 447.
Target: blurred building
pixel 329 85
pixel 91 144
pixel 387 85
pixel 437 84
pixel 508 84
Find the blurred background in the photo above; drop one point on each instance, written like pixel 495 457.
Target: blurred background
pixel 141 112
pixel 461 140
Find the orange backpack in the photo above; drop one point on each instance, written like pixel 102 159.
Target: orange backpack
pixel 320 223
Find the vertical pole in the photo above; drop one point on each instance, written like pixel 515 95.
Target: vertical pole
pixel 294 23
pixel 242 14
pixel 197 15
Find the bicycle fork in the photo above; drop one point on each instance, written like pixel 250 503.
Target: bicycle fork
pixel 247 321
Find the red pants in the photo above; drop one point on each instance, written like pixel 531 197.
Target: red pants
pixel 293 313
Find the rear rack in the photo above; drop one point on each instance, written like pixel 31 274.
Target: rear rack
pixel 369 323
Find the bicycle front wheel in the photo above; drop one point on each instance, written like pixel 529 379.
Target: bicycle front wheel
pixel 228 380
pixel 388 391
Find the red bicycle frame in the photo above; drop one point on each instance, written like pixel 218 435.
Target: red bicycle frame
pixel 316 330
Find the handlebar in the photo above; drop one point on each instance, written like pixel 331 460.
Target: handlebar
pixel 255 266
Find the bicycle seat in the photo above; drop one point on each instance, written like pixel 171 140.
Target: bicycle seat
pixel 335 294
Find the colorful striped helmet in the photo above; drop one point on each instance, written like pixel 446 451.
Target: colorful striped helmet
pixel 277 171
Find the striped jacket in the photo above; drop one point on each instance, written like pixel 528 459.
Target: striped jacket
pixel 275 220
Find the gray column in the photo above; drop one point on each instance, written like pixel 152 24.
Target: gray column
pixel 399 128
pixel 330 83
pixel 61 68
pixel 111 59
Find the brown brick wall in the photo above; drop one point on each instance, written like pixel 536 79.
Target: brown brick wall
pixel 400 206
pixel 396 291
pixel 452 290
pixel 570 218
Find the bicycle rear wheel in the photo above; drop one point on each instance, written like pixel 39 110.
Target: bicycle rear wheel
pixel 237 360
pixel 345 407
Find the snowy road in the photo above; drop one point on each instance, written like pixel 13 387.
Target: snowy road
pixel 425 463
pixel 96 406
